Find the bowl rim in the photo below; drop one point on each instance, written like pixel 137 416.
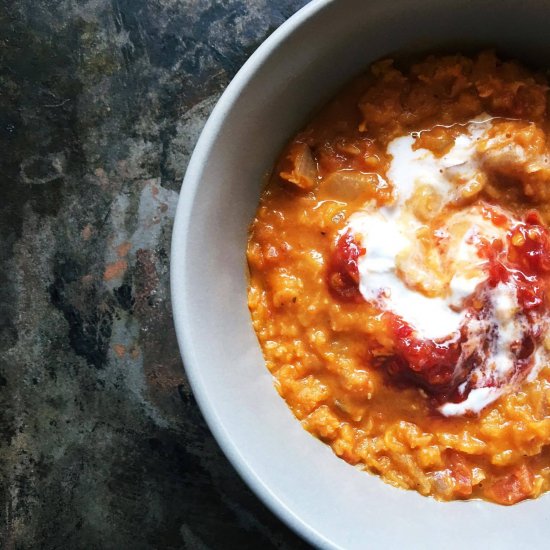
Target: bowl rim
pixel 180 314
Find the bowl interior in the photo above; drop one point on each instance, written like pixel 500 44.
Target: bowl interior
pixel 295 71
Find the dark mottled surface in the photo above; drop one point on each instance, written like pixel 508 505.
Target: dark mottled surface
pixel 102 445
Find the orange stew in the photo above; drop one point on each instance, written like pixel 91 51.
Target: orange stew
pixel 399 271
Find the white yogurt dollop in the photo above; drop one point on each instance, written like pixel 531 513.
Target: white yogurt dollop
pixel 389 231
pixel 390 236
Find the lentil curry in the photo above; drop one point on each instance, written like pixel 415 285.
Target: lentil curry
pixel 399 263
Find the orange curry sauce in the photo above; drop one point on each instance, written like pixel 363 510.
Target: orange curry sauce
pixel 360 378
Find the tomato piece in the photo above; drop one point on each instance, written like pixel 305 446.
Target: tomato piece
pixel 513 487
pixel 526 262
pixel 343 270
pixel 427 362
pixel 497 218
pixel 461 474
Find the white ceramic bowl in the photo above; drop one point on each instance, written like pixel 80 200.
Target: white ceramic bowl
pixel 301 65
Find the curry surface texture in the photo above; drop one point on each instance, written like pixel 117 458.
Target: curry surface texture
pixel 322 350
